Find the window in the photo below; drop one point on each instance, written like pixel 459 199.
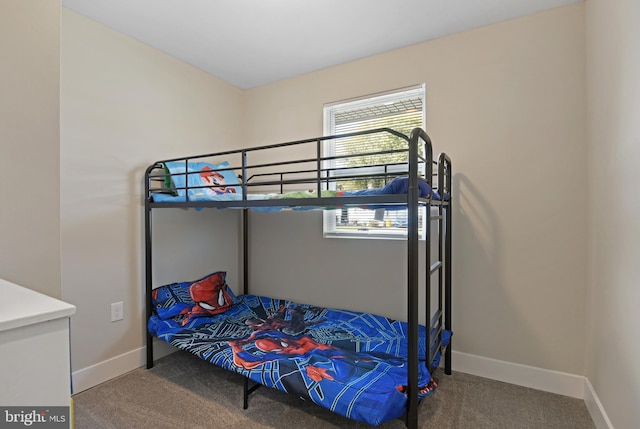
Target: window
pixel 402 111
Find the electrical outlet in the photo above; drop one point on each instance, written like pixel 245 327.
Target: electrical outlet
pixel 117 311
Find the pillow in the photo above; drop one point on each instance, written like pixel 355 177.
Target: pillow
pixel 215 182
pixel 207 296
pixel 400 185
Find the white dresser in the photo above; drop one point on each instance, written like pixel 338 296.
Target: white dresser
pixel 35 365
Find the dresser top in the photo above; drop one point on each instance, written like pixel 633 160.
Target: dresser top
pixel 20 306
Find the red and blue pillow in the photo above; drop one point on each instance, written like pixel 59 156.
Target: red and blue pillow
pixel 205 297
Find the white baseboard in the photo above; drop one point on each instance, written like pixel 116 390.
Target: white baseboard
pixel 575 386
pixel 93 375
pixel 598 414
pixel 522 375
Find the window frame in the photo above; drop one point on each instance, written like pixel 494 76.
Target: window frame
pixel 329 227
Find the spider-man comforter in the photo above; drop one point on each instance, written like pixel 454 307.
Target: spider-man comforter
pixel 349 362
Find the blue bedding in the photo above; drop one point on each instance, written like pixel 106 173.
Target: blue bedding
pixel 216 182
pixel 349 362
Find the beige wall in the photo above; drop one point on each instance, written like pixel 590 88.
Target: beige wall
pixel 507 102
pixel 613 65
pixel 30 144
pixel 124 106
pixel 501 100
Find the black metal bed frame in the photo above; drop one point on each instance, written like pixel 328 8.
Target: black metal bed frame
pixel 320 176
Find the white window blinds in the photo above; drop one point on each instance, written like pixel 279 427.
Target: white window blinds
pixel 401 111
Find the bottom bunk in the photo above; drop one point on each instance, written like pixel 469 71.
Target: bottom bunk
pixel 349 362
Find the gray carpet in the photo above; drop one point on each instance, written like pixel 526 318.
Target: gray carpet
pixel 182 391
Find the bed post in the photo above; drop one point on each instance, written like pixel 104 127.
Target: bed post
pixel 412 285
pixel 246 391
pixel 245 251
pixel 147 256
pixel 445 175
pixel 245 226
pixel 412 270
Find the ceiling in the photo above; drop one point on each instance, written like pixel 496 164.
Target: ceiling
pixel 249 43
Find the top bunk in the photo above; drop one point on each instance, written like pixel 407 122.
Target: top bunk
pixel 308 174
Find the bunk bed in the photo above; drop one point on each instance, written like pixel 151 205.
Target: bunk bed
pixel 363 366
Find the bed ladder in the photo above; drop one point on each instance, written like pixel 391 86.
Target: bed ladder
pixel 434 323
